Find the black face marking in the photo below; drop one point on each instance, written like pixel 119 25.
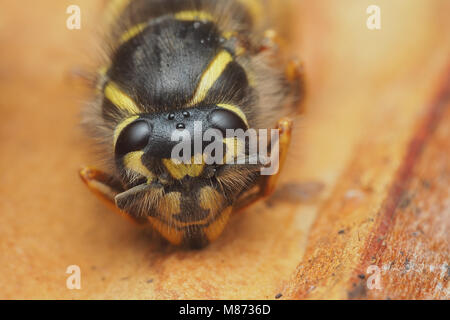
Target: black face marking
pixel 223 119
pixel 133 138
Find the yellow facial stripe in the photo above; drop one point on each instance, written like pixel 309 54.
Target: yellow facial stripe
pixel 194 15
pixel 122 126
pixel 210 76
pixel 120 99
pixel 235 110
pixel 179 171
pixel 213 231
pixel 133 161
pixel 132 32
pixel 173 235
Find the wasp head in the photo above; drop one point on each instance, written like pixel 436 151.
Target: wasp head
pixel 184 170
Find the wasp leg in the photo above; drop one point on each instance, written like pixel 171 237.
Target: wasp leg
pixel 294 71
pixel 268 183
pixel 106 189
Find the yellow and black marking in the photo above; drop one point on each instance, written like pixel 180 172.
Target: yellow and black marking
pixel 176 60
pixel 174 63
pixel 210 214
pixel 120 99
pixel 180 170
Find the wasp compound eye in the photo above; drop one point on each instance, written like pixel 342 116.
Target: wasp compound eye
pixel 133 138
pixel 223 119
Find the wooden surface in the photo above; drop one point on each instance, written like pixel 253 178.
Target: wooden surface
pixel 367 182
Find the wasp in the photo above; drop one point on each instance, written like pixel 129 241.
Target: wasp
pixel 172 63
